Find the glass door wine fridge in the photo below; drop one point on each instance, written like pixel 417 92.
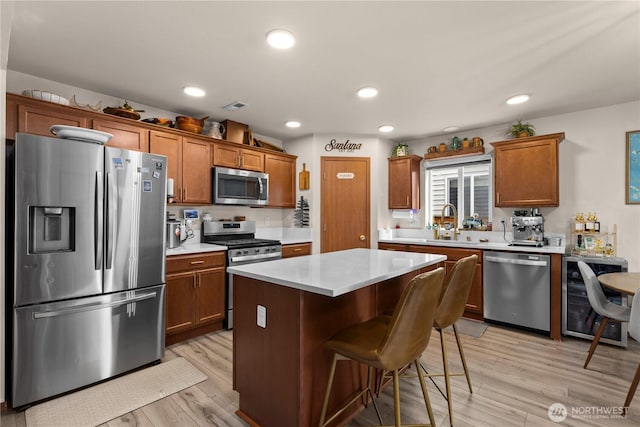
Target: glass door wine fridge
pixel 578 318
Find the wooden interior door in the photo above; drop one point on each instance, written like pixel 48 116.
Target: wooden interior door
pixel 345 203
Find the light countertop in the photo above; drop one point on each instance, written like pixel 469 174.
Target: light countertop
pixel 286 236
pixel 195 248
pixel 497 240
pixel 337 273
pixel 492 246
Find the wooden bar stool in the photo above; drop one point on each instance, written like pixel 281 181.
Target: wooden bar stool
pixel 450 309
pixel 390 343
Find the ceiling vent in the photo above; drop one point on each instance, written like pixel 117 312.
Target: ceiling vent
pixel 234 105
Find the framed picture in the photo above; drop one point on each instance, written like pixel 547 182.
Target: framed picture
pixel 632 188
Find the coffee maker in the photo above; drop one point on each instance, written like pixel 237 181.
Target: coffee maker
pixel 528 228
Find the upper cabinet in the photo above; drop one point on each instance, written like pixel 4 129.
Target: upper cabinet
pixel 282 180
pixel 190 156
pixel 129 137
pixel 196 171
pixel 187 164
pixel 234 156
pixel 404 182
pixel 526 171
pixel 37 118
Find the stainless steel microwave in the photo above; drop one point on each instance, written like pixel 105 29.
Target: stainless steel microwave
pixel 240 187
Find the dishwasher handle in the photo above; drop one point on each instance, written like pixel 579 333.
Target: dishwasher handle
pixel 528 262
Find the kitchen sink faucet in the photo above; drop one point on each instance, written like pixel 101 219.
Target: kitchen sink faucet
pixel 455 219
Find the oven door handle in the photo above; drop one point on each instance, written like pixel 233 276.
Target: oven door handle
pixel 244 258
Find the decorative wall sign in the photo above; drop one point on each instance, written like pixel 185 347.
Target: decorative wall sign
pixel 632 188
pixel 342 146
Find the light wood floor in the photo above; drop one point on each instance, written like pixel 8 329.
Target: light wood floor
pixel 515 376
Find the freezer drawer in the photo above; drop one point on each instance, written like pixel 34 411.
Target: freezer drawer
pixel 62 346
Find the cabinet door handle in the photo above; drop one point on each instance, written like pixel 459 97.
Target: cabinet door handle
pixel 407 200
pixel 297 249
pixel 197 262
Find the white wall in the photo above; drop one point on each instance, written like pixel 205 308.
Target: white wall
pixel 311 149
pixel 592 171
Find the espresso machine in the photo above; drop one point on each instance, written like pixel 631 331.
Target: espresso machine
pixel 528 228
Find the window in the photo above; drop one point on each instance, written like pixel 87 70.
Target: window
pixel 466 186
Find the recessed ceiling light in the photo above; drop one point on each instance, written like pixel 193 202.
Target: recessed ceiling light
pixel 517 99
pixel 367 92
pixel 281 39
pixel 385 128
pixel 451 128
pixel 292 124
pixel 194 91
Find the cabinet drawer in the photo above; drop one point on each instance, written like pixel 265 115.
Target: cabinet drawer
pixel 298 249
pixel 177 263
pixel 453 254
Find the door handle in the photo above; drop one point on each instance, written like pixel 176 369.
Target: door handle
pixel 362 237
pixel 98 218
pixel 93 306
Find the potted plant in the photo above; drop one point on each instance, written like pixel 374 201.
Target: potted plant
pixel 521 130
pixel 400 150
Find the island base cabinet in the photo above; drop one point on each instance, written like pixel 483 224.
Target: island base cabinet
pixel 280 371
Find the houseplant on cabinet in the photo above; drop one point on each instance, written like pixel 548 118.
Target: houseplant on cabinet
pixel 400 150
pixel 521 130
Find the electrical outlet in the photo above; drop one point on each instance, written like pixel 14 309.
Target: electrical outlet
pixel 262 316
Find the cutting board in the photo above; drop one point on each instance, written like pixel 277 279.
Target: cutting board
pixel 303 178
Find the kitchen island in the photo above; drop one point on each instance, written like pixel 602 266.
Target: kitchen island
pixel 284 312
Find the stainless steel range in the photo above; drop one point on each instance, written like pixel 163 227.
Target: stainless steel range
pixel 243 248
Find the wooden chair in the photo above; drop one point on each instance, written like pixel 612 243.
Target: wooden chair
pixel 634 331
pixel 601 305
pixel 389 343
pixel 450 309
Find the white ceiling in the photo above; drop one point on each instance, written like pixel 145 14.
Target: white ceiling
pixel 436 64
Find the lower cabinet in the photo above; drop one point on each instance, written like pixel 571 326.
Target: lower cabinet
pixel 474 301
pixel 195 295
pixel 296 249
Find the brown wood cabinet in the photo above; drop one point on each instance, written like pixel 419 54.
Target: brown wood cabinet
pixel 127 136
pixel 188 165
pixel 197 153
pixel 474 301
pixel 36 118
pixel 404 182
pixel 296 249
pixel 196 171
pixel 234 156
pixel 393 246
pixel 282 180
pixel 170 145
pixel 473 307
pixel 526 171
pixel 195 295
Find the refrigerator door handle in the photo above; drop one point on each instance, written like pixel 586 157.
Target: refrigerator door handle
pixel 98 221
pixel 94 306
pixel 111 215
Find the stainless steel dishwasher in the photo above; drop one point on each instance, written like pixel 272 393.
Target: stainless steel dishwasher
pixel 517 289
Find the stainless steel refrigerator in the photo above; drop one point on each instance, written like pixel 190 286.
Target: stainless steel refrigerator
pixel 85 263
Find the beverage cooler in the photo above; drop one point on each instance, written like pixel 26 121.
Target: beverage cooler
pixel 578 318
